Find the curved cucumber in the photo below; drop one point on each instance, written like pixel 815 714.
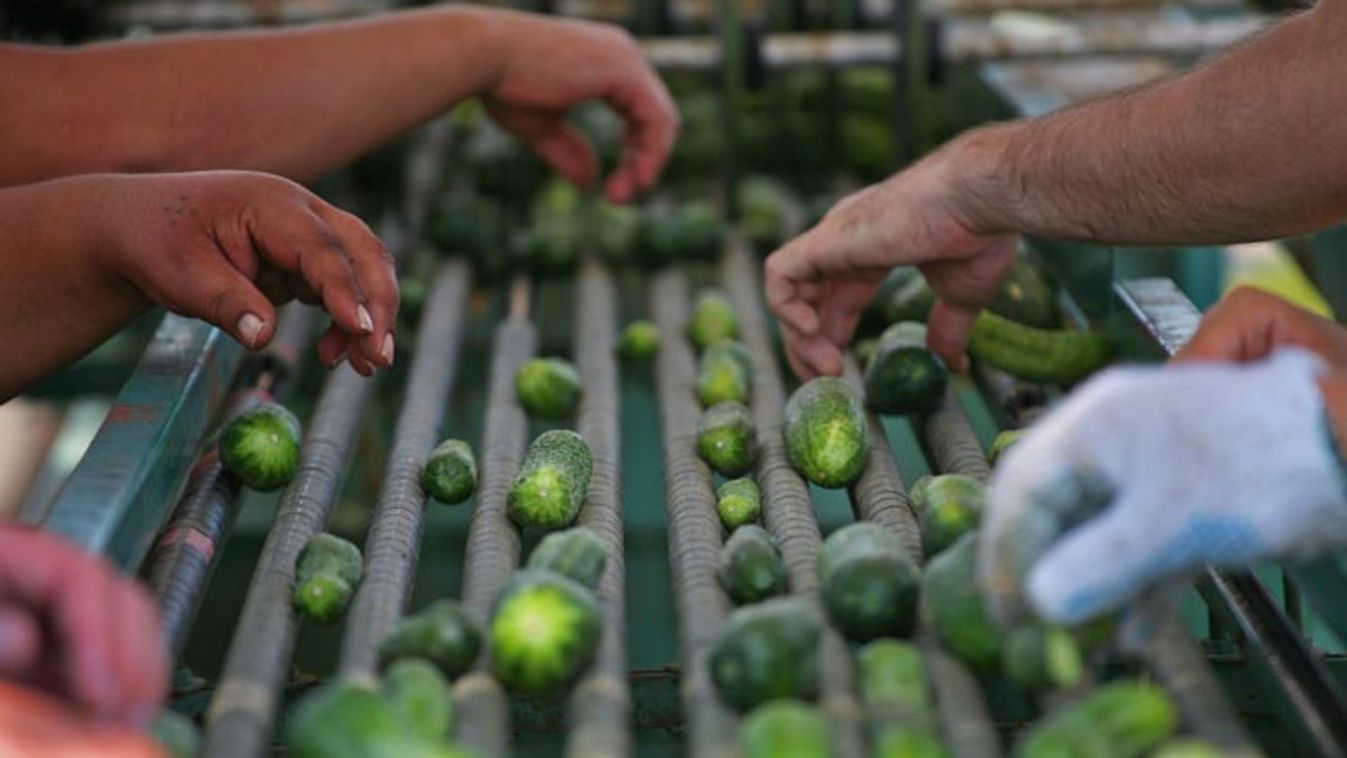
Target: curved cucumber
pixel 785 728
pixel 326 574
pixel 578 554
pixel 545 630
pixel 869 584
pixel 1058 355
pixel 825 432
pixel 450 474
pixel 261 447
pixel 750 566
pixel 724 373
pixel 552 481
pixel 766 651
pixel 738 502
pixel 904 376
pixel 442 633
pixel 726 438
pixel 547 387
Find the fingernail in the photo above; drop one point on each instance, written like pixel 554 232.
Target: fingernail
pixel 387 351
pixel 366 323
pixel 250 326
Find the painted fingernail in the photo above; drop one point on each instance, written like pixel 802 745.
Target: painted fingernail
pixel 250 326
pixel 387 351
pixel 366 323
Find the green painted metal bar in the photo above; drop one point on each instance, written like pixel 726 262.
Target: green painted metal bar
pixel 137 464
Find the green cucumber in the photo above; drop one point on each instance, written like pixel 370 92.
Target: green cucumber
pixel 785 728
pixel 911 302
pixel 865 352
pixel 552 482
pixel 868 582
pixel 825 432
pixel 578 553
pixel 738 502
pixel 326 574
pixel 893 683
pixel 420 697
pixel 176 734
pixel 703 231
pixel 616 230
pixel 261 446
pixel 1123 719
pixel 549 248
pixel 750 567
pixel 904 377
pixel 1003 442
pixel 467 226
pixel 547 387
pixel 343 721
pixel 908 742
pixel 948 507
pixel 1188 747
pixel 659 237
pixel 953 606
pixel 1047 355
pixel 726 439
pixel 875 316
pixel 767 650
pixel 450 474
pixel 1042 657
pixel 442 633
pixel 1027 297
pixel 713 318
pixel 639 342
pixel 724 373
pixel 763 204
pixel 559 200
pixel 545 630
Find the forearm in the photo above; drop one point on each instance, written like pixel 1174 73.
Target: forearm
pixel 295 102
pixel 1250 146
pixel 56 301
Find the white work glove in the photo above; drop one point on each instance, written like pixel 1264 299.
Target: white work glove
pixel 1147 474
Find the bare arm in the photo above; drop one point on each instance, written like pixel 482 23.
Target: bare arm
pixel 1252 145
pixel 299 102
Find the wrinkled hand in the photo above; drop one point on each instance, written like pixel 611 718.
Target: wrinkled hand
pixel 551 65
pixel 70 624
pixel 1146 474
pixel 818 283
pixel 224 245
pixel 1248 324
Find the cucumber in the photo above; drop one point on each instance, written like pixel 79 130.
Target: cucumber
pixel 750 567
pixel 545 630
pixel 1123 719
pixel 948 507
pixel 659 237
pixel 904 377
pixel 420 697
pixel 767 650
pixel 559 200
pixel 442 633
pixel 176 734
pixel 552 481
pixel 865 352
pixel 1188 747
pixel 1027 297
pixel 578 554
pixel 1003 442
pixel 763 203
pixel 825 432
pixel 893 683
pixel 616 229
pixel 547 387
pixel 639 342
pixel 450 474
pixel 343 721
pixel 952 605
pixel 467 226
pixel 713 318
pixel 261 447
pixel 726 439
pixel 1060 356
pixel 326 574
pixel 703 231
pixel 906 742
pixel 603 129
pixel 1041 657
pixel 869 584
pixel 738 502
pixel 912 301
pixel 875 316
pixel 724 373
pixel 549 248
pixel 784 728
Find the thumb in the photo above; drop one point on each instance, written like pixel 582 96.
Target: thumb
pixel 947 331
pixel 219 294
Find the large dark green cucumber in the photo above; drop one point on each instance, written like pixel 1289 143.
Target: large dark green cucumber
pixel 767 650
pixel 547 387
pixel 869 584
pixel 450 474
pixel 750 567
pixel 953 605
pixel 442 633
pixel 727 439
pixel 724 373
pixel 326 574
pixel 785 728
pixel 553 481
pixel 713 318
pixel 545 630
pixel 1028 297
pixel 904 376
pixel 577 553
pixel 825 432
pixel 261 446
pixel 738 502
pixel 1057 355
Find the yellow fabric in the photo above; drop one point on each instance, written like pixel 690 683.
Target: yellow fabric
pixel 1269 267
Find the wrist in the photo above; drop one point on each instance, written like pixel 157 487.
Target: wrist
pixel 491 34
pixel 982 179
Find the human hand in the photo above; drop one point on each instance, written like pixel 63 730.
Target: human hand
pixel 1146 474
pixel 550 65
pixel 818 283
pixel 1248 324
pixel 224 245
pixel 70 624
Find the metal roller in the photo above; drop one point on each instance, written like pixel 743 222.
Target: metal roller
pixel 954 445
pixel 968 727
pixel 601 703
pixel 693 524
